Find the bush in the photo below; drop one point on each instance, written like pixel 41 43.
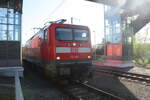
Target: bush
pixel 142 54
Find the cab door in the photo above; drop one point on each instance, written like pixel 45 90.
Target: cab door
pixel 44 45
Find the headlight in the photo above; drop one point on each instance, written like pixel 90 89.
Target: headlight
pixel 89 57
pixel 58 58
pixel 74 44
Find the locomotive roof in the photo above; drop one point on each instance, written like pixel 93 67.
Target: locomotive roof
pixel 45 27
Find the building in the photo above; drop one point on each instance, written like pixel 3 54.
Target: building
pixel 118 40
pixel 10 32
pixel 118 34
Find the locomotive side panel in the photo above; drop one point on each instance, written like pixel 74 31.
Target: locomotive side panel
pixel 32 51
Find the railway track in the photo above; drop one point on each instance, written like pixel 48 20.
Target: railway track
pixel 83 91
pixel 144 79
pixel 77 91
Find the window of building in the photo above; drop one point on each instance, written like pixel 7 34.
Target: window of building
pixel 10 25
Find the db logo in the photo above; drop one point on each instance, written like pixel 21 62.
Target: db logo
pixel 73 50
pixel 76 57
pixel 71 57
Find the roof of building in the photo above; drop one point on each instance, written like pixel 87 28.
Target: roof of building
pixel 131 8
pixel 14 4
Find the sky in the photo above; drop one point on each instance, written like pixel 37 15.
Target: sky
pixel 143 36
pixel 38 12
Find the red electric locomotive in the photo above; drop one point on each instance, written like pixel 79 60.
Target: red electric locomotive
pixel 61 50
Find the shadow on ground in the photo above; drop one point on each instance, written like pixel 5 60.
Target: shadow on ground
pixel 36 87
pixel 111 84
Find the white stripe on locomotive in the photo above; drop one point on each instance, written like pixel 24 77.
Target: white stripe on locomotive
pixel 63 50
pixel 84 50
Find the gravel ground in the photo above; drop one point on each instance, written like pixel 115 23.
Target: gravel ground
pixel 111 84
pixel 140 70
pixel 123 88
pixel 140 91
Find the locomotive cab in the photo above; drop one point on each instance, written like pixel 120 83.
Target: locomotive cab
pixel 72 49
pixel 72 44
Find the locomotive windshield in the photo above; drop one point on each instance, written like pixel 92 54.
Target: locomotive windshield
pixel 80 34
pixel 64 34
pixel 72 34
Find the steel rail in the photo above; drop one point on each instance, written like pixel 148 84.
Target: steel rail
pixel 129 75
pixel 83 91
pixel 114 97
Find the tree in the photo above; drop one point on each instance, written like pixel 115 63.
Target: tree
pixel 142 47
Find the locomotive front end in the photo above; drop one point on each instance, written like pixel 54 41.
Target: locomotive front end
pixel 73 50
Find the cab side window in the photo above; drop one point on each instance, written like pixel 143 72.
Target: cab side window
pixel 46 35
